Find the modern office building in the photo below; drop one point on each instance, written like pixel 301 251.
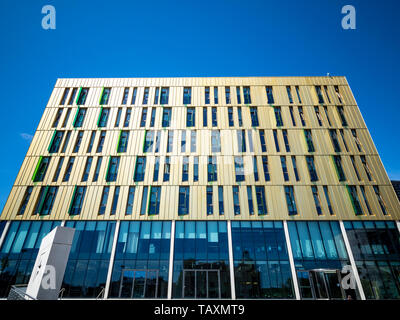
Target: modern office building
pixel 221 188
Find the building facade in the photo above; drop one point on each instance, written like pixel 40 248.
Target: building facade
pixel 396 186
pixel 206 188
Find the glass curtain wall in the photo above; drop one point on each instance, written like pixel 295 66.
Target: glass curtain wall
pixel 376 249
pixel 262 269
pixel 201 261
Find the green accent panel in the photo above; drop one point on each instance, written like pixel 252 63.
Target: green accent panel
pixel 73 196
pixel 51 141
pixel 108 168
pixel 336 168
pixel 37 168
pixel 101 95
pixel 144 140
pixel 351 200
pixel 119 139
pixel 79 93
pixel 98 120
pixel 43 198
pixel 76 115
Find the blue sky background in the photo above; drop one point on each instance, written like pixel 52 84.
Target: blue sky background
pixel 195 38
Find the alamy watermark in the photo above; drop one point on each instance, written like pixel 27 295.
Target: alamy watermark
pixel 349 20
pixel 49 20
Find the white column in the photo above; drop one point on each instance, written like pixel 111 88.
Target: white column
pixel 351 258
pixel 111 264
pixel 171 260
pixel 62 223
pixel 231 265
pixel 3 235
pixel 291 261
pixel 398 225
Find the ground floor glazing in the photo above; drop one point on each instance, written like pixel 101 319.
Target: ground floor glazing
pixel 214 259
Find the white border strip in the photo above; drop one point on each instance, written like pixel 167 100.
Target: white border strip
pixel 231 265
pixel 291 260
pixel 111 264
pixel 171 260
pixel 3 235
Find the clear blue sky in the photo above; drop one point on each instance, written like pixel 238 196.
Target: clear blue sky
pixel 195 38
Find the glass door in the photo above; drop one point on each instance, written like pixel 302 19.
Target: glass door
pixel 320 284
pixel 201 284
pixel 136 284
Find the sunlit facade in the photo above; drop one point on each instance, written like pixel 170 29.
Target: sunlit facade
pixel 206 188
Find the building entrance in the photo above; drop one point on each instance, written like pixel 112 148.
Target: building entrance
pixel 201 284
pixel 321 284
pixel 138 283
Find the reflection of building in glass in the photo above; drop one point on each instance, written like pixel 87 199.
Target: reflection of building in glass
pixel 214 188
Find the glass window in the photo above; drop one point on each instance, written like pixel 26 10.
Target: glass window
pixel 311 168
pixel 97 170
pixel 309 141
pixel 187 95
pixel 105 96
pixel 145 96
pixel 382 203
pixel 129 203
pixel 196 169
pixel 337 160
pixel 356 140
pixel 328 200
pixel 338 95
pixel 103 118
pixel 103 201
pixel 156 95
pixel 156 168
pixel 296 173
pixel 148 141
pixel 185 169
pixel 327 115
pixel 366 167
pixel 290 200
pixel 275 134
pixel 298 94
pixel 127 117
pixel 164 95
pixel 270 97
pixel 133 101
pixel 100 144
pixel 209 198
pixel 239 169
pixel 204 116
pixel 64 124
pixel 278 116
pixel 214 122
pixel 115 201
pixel 77 200
pixel 284 169
pixel 215 95
pixel 238 98
pixel 190 117
pixel 65 95
pixel 262 141
pixel 123 141
pixel 170 140
pixel 86 171
pixel 292 116
pixel 212 169
pixel 78 141
pixel 167 169
pixel 289 93
pixel 236 204
pixel 254 117
pixel 228 95
pixel 112 172
pixel 57 118
pixel 261 202
pixel 318 115
pixel 118 118
pixel 327 93
pixel 125 96
pixel 72 97
pixel 286 140
pixel 342 117
pixel 319 94
pixel 56 141
pixel 250 200
pixel 79 117
pixel 140 169
pixel 317 201
pixel 155 196
pixel 334 140
pixel 25 200
pixel 144 117
pixel 355 200
pixel 302 118
pixel 68 169
pixel 240 118
pixel 215 141
pixel 207 95
pixel 241 140
pixel 58 169
pixel 265 168
pixel 230 116
pixel 183 204
pixel 166 118
pixel 246 95
pixel 221 200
